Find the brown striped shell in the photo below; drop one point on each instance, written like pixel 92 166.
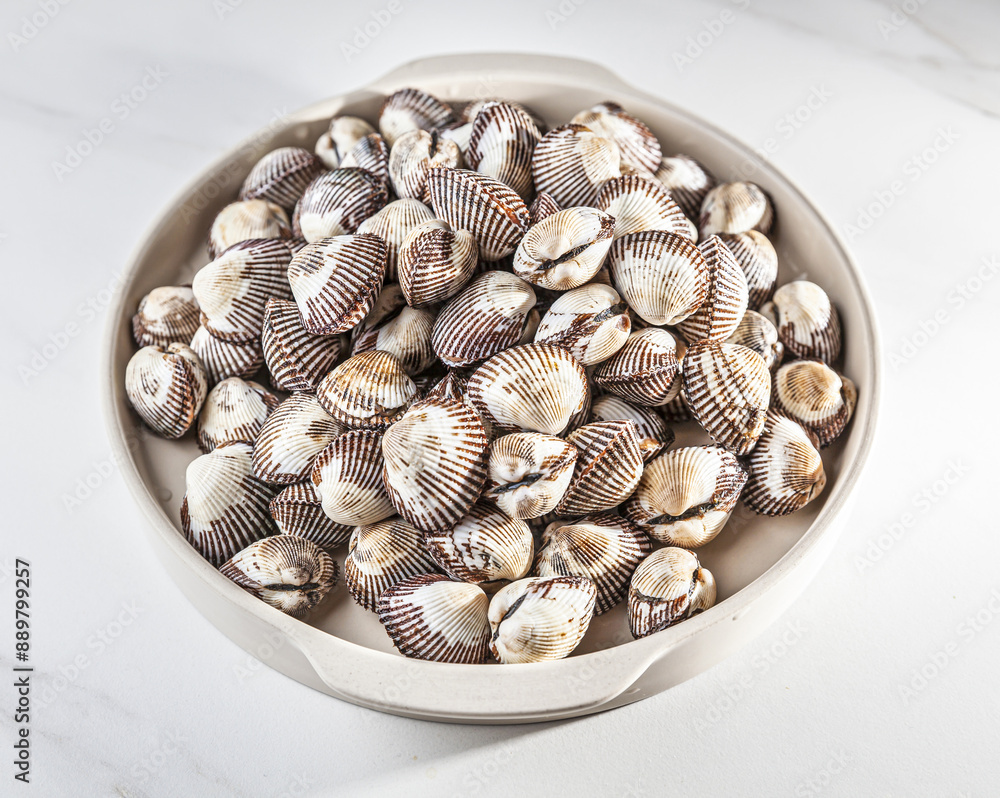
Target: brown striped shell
pixel 726 300
pixel 816 396
pixel 488 316
pixel 542 207
pixel 757 258
pixel 757 333
pixel 608 467
pixel 223 359
pixel 566 249
pixel 225 508
pixel 572 162
pixel 531 388
pixel 291 438
pixel 340 138
pixel 735 208
pixel 603 547
pixel 281 176
pixel 289 573
pixel 407 335
pixel 727 388
pixel 370 153
pixel 412 109
pixel 234 410
pixel 348 476
pixel 296 359
pixel 493 212
pixel 335 281
pixel 668 587
pixel 640 203
pixel 807 321
pixel 413 155
pixel 166 387
pixel 687 181
pixel 165 316
pixel 380 555
pixel 232 291
pixel 245 220
pixel 591 321
pixel 431 617
pixel 529 473
pixel 786 469
pixel 646 370
pixel 663 277
pixel 540 618
pixel 435 462
pixel 636 142
pixel 336 203
pixel 298 510
pixel 486 547
pixel 393 224
pixel 435 261
pixel 686 495
pixel 501 142
pixel 654 434
pixel 369 390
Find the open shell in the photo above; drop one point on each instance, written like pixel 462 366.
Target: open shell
pixel 223 359
pixel 668 587
pixel 167 315
pixel 640 203
pixel 393 224
pixel 281 176
pixel 166 387
pixel 529 473
pixel 726 299
pixel 336 203
pixel 786 469
pixel 291 438
pixel 369 390
pixel 807 321
pixel 816 396
pixel 638 146
pixel 298 510
pixel 757 258
pixel 435 261
pixel 380 555
pixel 646 370
pixel 348 476
pixel 566 249
pixel 687 181
pixel 412 109
pixel 234 410
pixel 654 434
pixel 245 220
pixel 296 359
pixel 608 467
pixel 591 321
pixel 735 208
pixel 413 155
pixel 757 333
pixel 572 162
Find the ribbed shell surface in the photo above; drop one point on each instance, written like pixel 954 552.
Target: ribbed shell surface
pixel 816 396
pixel 298 510
pixel 290 439
pixel 348 475
pixel 591 321
pixel 529 473
pixel 638 146
pixel 165 316
pixel 296 359
pixel 412 109
pixel 758 333
pixel 757 258
pixel 786 469
pixel 640 203
pixel 166 387
pixel 223 359
pixel 572 162
pixel 608 467
pixel 566 249
pixel 645 370
pixel 413 155
pixel 370 153
pixel 687 181
pixel 380 555
pixel 336 203
pixel 735 208
pixel 435 262
pixel 244 220
pixel 654 434
pixel 726 300
pixel 393 224
pixel 668 587
pixel 369 390
pixel 281 176
pixel 234 410
pixel 406 335
pixel 808 323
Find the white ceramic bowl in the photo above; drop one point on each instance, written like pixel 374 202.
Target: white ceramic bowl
pixel 761 565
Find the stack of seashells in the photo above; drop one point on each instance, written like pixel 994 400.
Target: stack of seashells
pixel 478 334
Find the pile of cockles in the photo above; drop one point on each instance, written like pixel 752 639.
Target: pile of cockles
pixel 478 334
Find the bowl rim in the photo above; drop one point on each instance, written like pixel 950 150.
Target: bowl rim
pixel 507 66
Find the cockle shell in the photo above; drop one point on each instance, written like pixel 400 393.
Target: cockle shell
pixel 388 303
pixel 412 109
pixel 336 203
pixel 540 618
pixel 435 261
pixel 757 258
pixel 501 143
pixel 413 155
pixel 296 358
pixel 757 333
pixel 289 573
pixel 808 323
pixel 646 370
pixel 223 359
pixel 380 555
pixel 244 220
pixel 687 181
pixel 534 388
pixel 607 470
pixel 726 300
pixel 486 547
pixel 435 462
pixel 686 495
pixel 233 290
pixel 654 434
pixel 786 469
pixel 348 476
pixel 668 587
pixel 291 438
pixel 602 547
pixel 640 203
pixel 281 176
pixel 225 507
pixel 433 618
pixel 572 162
pixel 235 410
pixel 816 396
pixel 369 390
pixel 591 321
pixel 370 153
pixel 393 224
pixel 663 277
pixel 335 281
pixel 471 111
pixel 735 208
pixel 542 207
pixel 488 316
pixel 407 335
pixel 165 316
pixel 451 386
pixel 727 388
pixel 529 473
pixel 341 137
pixel 493 212
pixel 636 142
pixel 166 387
pixel 298 510
pixel 566 249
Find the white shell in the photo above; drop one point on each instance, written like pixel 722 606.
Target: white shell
pixel 348 476
pixel 380 555
pixel 341 137
pixel 808 323
pixel 281 176
pixel 687 181
pixel 646 370
pixel 223 359
pixel 166 387
pixel 759 261
pixel 234 410
pixel 640 203
pixel 786 469
pixel 726 300
pixel 298 510
pixel 435 261
pixel 608 467
pixel 370 390
pixel 407 335
pixel 757 333
pixel 735 208
pixel 166 315
pixel 638 146
pixel 290 439
pixel 529 473
pixel 501 142
pixel 591 321
pixel 816 396
pixel 566 249
pixel 412 109
pixel 668 587
pixel 245 220
pixel 415 153
pixel 296 359
pixel 336 203
pixel 654 434
pixel 393 224
pixel 572 162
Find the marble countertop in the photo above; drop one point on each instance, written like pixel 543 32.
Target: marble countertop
pixel 881 680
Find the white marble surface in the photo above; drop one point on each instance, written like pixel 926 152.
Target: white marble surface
pixel 137 695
